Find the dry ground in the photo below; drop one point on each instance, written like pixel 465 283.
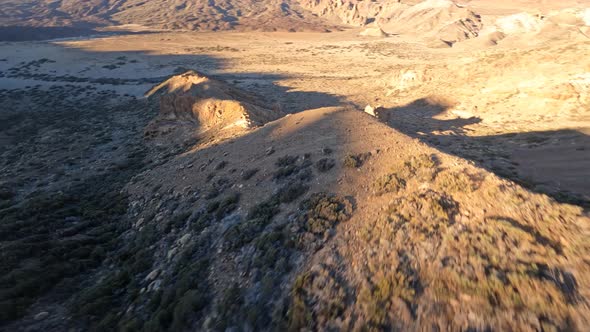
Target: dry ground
pixel 325 219
pixel 510 108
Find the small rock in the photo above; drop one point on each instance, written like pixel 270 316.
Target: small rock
pixel 140 222
pixel 42 315
pixel 155 285
pixel 184 239
pixel 171 253
pixel 152 275
pixel 370 110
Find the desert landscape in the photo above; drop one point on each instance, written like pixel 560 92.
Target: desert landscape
pixel 326 165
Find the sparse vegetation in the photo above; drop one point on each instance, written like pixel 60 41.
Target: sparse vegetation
pixel 458 181
pixel 325 164
pixel 223 229
pixel 221 165
pixel 292 191
pixel 423 167
pixel 389 183
pixel 355 160
pixel 324 211
pixel 319 288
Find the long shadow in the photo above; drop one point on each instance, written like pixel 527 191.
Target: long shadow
pixel 77 239
pixel 23 33
pixel 288 99
pixel 555 162
pixel 39 225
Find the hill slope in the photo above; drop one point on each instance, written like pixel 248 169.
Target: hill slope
pixel 322 219
pixel 440 22
pixel 315 220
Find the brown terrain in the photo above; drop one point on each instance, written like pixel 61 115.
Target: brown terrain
pixel 295 165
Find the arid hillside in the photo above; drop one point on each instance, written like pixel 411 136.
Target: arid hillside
pixel 423 166
pixel 266 15
pixel 440 21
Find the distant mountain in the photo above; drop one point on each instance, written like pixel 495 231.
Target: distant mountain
pixel 439 19
pixel 441 23
pixel 208 15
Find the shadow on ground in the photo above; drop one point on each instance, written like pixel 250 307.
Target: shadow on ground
pixel 74 142
pixel 552 162
pixel 21 33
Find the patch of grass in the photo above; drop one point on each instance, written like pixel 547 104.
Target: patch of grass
pixel 41 231
pixel 265 210
pixel 230 304
pixel 285 171
pixel 180 219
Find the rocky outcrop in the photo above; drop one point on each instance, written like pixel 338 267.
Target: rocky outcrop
pixel 202 103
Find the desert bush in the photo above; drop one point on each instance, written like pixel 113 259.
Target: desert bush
pixel 243 233
pixel 221 165
pixel 288 166
pixel 325 164
pixel 389 183
pixel 248 174
pixel 291 191
pixel 423 167
pixel 355 160
pixel 317 298
pixel 457 181
pixel 323 211
pixel 227 205
pixel 286 161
